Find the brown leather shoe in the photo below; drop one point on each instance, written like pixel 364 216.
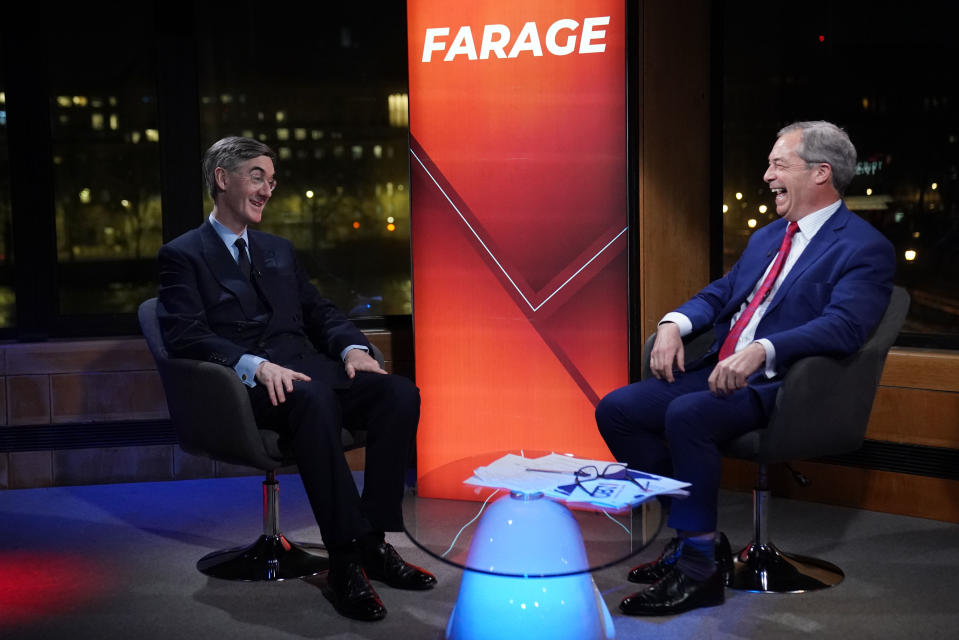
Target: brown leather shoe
pixel 383 563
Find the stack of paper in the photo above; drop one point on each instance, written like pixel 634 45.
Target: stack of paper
pixel 555 476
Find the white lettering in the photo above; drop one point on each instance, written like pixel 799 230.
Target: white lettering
pixel 429 46
pixel 589 34
pixel 496 39
pixel 462 43
pixel 552 46
pixel 527 40
pixel 497 46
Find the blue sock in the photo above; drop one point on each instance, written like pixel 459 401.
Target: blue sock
pixel 697 558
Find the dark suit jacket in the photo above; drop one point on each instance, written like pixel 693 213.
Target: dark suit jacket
pixel 209 311
pixel 828 304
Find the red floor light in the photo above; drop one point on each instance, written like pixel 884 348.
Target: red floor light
pixel 34 584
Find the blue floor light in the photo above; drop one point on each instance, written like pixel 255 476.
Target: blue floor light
pixel 529 577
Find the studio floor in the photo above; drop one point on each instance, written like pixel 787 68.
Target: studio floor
pixel 118 561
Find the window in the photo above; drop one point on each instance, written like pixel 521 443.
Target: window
pixel 8 307
pixel 885 72
pixel 326 94
pixel 105 161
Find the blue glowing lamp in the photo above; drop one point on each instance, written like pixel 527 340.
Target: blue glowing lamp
pixel 520 539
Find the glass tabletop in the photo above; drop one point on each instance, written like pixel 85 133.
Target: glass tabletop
pixel 505 533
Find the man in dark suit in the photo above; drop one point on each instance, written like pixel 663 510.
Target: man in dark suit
pixel 237 297
pixel 815 282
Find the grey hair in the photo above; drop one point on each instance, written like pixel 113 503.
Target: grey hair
pixel 229 153
pixel 823 141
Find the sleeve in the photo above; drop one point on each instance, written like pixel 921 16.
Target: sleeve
pixel 855 304
pixel 326 325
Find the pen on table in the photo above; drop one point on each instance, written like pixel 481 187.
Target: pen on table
pixel 568 473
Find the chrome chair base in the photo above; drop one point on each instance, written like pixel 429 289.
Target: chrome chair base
pixel 269 558
pixel 762 568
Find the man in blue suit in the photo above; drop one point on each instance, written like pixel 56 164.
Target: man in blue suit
pixel 815 282
pixel 237 297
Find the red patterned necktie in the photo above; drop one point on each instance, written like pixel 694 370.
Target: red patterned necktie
pixel 729 344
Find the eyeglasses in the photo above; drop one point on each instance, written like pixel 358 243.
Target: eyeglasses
pixel 614 471
pixel 257 179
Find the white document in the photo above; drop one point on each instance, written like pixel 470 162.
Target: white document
pixel 556 476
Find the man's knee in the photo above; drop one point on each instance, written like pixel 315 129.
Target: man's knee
pixel 403 391
pixel 609 412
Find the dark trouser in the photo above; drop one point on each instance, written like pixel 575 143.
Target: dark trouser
pixel 387 407
pixel 676 430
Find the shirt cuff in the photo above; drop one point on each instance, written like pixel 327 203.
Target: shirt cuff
pixel 685 324
pixel 770 366
pixel 350 348
pixel 246 368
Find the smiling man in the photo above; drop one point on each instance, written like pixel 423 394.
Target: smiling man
pixel 237 297
pixel 815 282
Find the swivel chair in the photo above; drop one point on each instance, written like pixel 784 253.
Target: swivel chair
pixel 822 409
pixel 219 424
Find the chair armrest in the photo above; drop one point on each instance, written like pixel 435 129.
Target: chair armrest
pixel 695 345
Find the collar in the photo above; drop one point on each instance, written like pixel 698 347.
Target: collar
pixel 809 225
pixel 227 236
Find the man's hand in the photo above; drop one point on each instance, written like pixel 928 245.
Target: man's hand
pixel 277 380
pixel 730 374
pixel 667 349
pixel 360 360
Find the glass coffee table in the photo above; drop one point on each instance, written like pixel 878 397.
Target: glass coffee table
pixel 526 558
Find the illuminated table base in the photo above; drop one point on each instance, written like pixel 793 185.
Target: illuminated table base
pixel 531 577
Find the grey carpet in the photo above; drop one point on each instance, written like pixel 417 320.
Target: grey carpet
pixel 117 561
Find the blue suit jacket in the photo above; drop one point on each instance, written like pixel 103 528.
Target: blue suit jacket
pixel 828 304
pixel 209 311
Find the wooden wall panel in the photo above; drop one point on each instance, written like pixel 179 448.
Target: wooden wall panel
pixel 674 156
pixel 900 493
pixel 915 416
pixel 922 369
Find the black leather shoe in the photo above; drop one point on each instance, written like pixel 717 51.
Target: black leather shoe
pixel 675 593
pixel 724 559
pixel 383 563
pixel 652 571
pixel 353 595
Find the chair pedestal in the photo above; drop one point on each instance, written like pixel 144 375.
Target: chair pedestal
pixel 761 567
pixel 271 557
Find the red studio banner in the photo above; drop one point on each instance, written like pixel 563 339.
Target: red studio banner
pixel 519 214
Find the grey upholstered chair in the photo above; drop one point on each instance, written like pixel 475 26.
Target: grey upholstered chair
pixel 218 423
pixel 822 409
